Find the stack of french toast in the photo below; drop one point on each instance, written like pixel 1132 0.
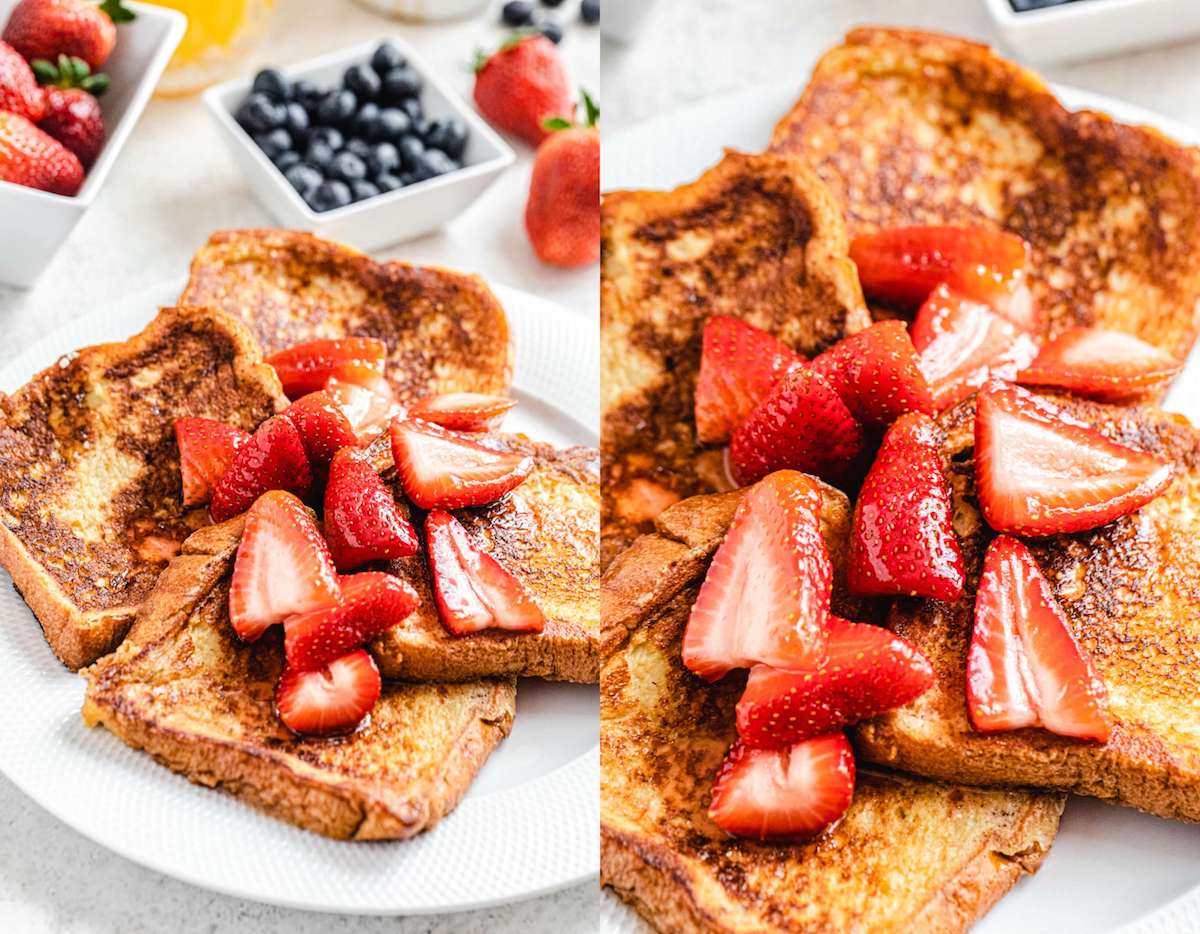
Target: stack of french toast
pixel 899 547
pixel 285 539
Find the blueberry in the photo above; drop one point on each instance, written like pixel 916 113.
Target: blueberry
pixel 337 108
pixel 589 12
pixel 392 124
pixel 552 3
pixel 329 195
pixel 448 134
pixel 433 162
pixel 307 93
pixel 360 147
pixel 410 151
pixel 388 182
pixel 260 113
pixel 516 13
pixel 362 80
pixel 407 178
pixel 330 135
pixel 272 83
pixel 361 190
pixel 286 159
pixel 387 57
pixel 296 121
pixel 365 120
pixel 275 143
pixel 304 178
pixel 319 154
pixel 383 159
pixel 347 166
pixel 412 107
pixel 551 30
pixel 400 83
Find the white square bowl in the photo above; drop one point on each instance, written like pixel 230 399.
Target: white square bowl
pixel 388 218
pixel 34 224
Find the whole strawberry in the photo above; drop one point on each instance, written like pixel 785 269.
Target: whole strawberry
pixel 49 28
pixel 522 85
pixel 35 159
pixel 73 114
pixel 562 216
pixel 19 91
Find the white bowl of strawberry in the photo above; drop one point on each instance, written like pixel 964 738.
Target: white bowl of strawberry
pixel 75 77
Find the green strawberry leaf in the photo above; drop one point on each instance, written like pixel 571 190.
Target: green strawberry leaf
pixel 557 123
pixel 116 12
pixel 591 108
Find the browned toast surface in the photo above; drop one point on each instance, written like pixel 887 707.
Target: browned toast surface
pixel 1131 594
pixel 910 855
pixel 756 236
pixel 90 490
pixel 444 330
pixel 185 689
pixel 918 128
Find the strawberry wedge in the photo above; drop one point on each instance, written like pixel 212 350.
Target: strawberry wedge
pixel 363 521
pixel 1024 667
pixel 464 411
pixel 962 343
pixel 442 470
pixel 206 449
pixel 739 366
pixel 1039 471
pixel 305 368
pixel 765 599
pixel 1108 365
pixel 368 410
pixel 866 671
pixel 273 459
pixel 323 426
pixel 778 795
pixel 331 700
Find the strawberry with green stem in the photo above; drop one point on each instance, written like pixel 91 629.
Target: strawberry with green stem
pixel 562 215
pixel 73 114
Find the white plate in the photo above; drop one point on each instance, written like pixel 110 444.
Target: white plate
pixel 530 822
pixel 1109 866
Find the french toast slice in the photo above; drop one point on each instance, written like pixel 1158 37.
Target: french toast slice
pixel 1130 591
pixel 910 855
pixel 444 330
pixel 90 490
pixel 910 127
pixel 186 690
pixel 757 237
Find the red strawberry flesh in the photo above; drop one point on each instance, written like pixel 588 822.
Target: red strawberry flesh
pixel 323 426
pixel 273 459
pixel 441 470
pixel 306 368
pixel 206 448
pixel 1108 365
pixel 363 521
pixel 464 411
pixel 331 700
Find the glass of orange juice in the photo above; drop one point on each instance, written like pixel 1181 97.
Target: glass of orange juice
pixel 219 34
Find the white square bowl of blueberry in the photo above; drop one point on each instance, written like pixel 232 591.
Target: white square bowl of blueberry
pixel 366 145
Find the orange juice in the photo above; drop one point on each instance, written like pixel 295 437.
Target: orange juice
pixel 219 33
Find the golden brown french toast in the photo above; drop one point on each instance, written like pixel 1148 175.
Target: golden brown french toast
pixel 1131 594
pixel 910 855
pixel 90 490
pixel 911 127
pixel 444 330
pixel 757 237
pixel 185 689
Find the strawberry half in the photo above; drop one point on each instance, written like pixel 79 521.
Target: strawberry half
pixel 963 342
pixel 206 449
pixel 903 542
pixel 865 672
pixel 765 599
pixel 784 794
pixel 282 567
pixel 1040 472
pixel 802 425
pixel 441 470
pixel 1024 667
pixel 363 522
pixel 464 411
pixel 307 367
pixel 273 459
pixel 369 410
pixel 473 591
pixel 876 373
pixel 739 366
pixel 331 700
pixel 1108 365
pixel 370 603
pixel 322 425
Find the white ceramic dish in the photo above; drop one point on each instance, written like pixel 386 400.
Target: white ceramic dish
pixel 1109 867
pixel 389 218
pixel 530 822
pixel 34 224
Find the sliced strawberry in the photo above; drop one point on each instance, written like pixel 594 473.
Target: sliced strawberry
pixel 765 599
pixel 1039 471
pixel 369 411
pixel 903 542
pixel 322 424
pixel 1024 667
pixel 370 604
pixel 282 566
pixel 866 671
pixel 803 425
pixel 331 700
pixel 441 470
pixel 206 449
pixel 464 411
pixel 305 368
pixel 1107 365
pixel 739 366
pixel 273 459
pixel 876 374
pixel 963 342
pixel 473 591
pixel 363 522
pixel 784 794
